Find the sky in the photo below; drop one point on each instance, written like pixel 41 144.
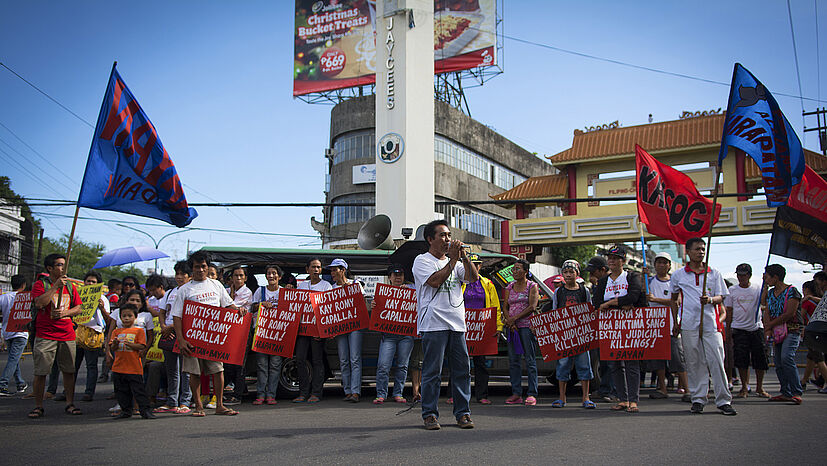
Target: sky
pixel 215 79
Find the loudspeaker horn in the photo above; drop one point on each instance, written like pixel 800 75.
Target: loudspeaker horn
pixel 376 233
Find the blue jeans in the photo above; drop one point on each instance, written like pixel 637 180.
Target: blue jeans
pixel 178 383
pixel 389 346
pixel 515 371
pixel 785 368
pixel 582 363
pixel 350 361
pixel 268 371
pixel 91 368
pixel 16 347
pixel 435 346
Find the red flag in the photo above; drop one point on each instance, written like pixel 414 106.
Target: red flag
pixel 810 196
pixel 668 202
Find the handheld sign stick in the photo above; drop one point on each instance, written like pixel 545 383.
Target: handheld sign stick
pixel 709 245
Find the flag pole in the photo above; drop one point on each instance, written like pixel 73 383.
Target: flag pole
pixel 643 250
pixel 709 241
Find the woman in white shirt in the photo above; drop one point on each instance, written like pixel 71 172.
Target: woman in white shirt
pixel 243 298
pixel 349 345
pixel 268 366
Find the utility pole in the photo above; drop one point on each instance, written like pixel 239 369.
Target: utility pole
pixel 153 239
pixel 821 127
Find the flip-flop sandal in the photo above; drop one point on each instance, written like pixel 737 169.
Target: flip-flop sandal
pixel 198 414
pixel 763 394
pixel 741 395
pixel 182 410
pixel 36 413
pixel 589 404
pixel 619 407
pixel 313 399
pixel 797 400
pixel 227 412
pixel 72 410
pixel 558 404
pixel 633 409
pixel 163 409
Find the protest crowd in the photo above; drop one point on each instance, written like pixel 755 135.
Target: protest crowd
pixel 175 350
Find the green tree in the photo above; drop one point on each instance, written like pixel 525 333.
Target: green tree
pixel 85 256
pixel 581 253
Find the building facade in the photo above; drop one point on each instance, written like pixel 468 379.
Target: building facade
pixel 472 162
pixel 11 240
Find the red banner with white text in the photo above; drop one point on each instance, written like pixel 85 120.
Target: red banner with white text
pixel 340 310
pixel 394 310
pixel 21 312
pixel 217 333
pixel 636 334
pixel 277 327
pixel 565 332
pixel 481 331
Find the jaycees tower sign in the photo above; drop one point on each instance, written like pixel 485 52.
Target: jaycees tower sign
pixel 405 112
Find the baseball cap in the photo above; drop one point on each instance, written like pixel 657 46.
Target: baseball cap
pixel 338 263
pixel 557 279
pixel 571 264
pixel 664 255
pixel 597 262
pixel 743 269
pixel 474 257
pixel 617 251
pixel 395 268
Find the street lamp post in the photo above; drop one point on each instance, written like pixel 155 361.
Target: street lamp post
pixel 157 243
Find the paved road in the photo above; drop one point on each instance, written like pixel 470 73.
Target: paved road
pixel 337 432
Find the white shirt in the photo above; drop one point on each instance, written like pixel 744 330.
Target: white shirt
pixel 210 292
pixel 271 297
pixel 688 283
pixel 243 297
pixel 323 285
pixel 744 304
pixel 155 304
pixel 440 308
pixel 660 289
pixel 6 302
pixel 169 298
pixel 96 323
pixel 143 320
pixel 616 288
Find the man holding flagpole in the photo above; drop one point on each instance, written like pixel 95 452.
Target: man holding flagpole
pixel 703 349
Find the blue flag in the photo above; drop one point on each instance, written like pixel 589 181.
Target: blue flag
pixel 755 124
pixel 128 169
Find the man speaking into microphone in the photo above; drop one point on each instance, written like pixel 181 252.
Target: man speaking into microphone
pixel 438 276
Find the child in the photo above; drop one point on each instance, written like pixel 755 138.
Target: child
pixel 126 344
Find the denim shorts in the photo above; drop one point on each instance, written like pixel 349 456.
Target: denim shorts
pixel 582 363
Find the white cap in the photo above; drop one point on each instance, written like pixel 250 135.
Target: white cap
pixel 664 255
pixel 338 263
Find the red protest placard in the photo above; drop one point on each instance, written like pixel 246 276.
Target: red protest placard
pixel 394 310
pixel 481 331
pixel 301 298
pixel 21 312
pixel 277 327
pixel 217 333
pixel 340 310
pixel 636 334
pixel 565 332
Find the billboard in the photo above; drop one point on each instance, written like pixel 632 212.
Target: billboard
pixel 335 41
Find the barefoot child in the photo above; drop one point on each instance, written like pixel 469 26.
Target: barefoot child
pixel 126 344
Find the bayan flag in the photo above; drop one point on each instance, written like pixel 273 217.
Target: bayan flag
pixel 128 169
pixel 754 123
pixel 800 229
pixel 668 202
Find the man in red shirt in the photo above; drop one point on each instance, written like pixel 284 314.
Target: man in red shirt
pixel 56 301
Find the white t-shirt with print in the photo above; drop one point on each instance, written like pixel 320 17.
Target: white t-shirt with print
pixel 271 297
pixel 617 287
pixel 440 308
pixel 143 320
pixel 209 291
pixel 660 289
pixel 323 285
pixel 744 304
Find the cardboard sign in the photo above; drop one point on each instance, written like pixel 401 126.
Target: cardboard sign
pixel 21 313
pixel 217 333
pixel 636 334
pixel 277 327
pixel 90 296
pixel 340 310
pixel 481 331
pixel 394 310
pixel 565 332
pixel 154 353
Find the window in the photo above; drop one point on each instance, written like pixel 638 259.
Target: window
pixel 469 219
pixel 353 214
pixel 460 157
pixel 355 145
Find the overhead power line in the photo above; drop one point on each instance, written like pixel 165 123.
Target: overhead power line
pixel 47 95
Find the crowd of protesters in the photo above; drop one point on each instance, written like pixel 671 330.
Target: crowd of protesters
pixel 718 331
